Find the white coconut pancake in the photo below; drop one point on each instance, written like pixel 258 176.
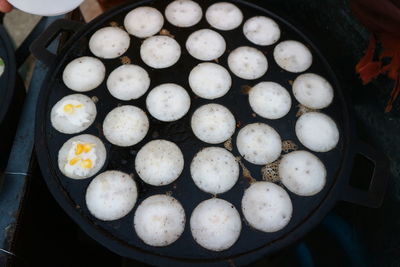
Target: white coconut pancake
pixel 293 56
pixel 109 42
pixel 209 80
pixel 224 16
pixel 259 143
pixel 183 13
pixel 215 224
pixel 247 63
pixel 213 123
pixel 111 195
pixel 159 220
pixel 160 51
pixel 84 74
pixel 205 45
pixel 143 21
pixel 159 162
pixel 168 102
pixel 128 82
pixel 270 100
pixel 81 156
pixel 302 173
pixel 214 170
pixel 261 30
pixel 317 131
pixel 266 207
pixel 125 126
pixel 312 91
pixel 73 114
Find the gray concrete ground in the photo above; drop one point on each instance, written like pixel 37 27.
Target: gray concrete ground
pixel 19 24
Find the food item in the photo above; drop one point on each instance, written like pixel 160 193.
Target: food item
pixel 261 30
pixel 81 156
pixel 213 123
pixel 302 173
pixel 214 170
pixel 224 16
pixel 111 195
pixel 2 66
pixel 247 63
pixel 125 126
pixel 143 22
pixel 292 56
pixel 168 102
pixel 84 74
pixel 312 91
pixel 73 114
pixel 270 100
pixel 317 131
pixel 266 207
pixel 159 162
pixel 205 45
pixel 210 80
pixel 109 42
pixel 215 224
pixel 183 13
pixel 259 143
pixel 159 220
pixel 160 51
pixel 128 82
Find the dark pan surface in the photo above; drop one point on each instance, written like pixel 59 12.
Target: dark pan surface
pixel 120 234
pixel 7 79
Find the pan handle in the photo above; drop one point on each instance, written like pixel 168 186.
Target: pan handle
pixel 39 46
pixel 374 196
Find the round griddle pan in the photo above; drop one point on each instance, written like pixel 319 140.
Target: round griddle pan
pixel 119 235
pixel 12 93
pixel 8 79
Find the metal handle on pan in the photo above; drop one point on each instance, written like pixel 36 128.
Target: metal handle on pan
pixel 39 46
pixel 373 197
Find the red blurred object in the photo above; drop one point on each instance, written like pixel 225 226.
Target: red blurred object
pixel 107 4
pixel 5 6
pixel 382 19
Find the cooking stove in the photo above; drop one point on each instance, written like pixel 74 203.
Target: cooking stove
pixel 349 236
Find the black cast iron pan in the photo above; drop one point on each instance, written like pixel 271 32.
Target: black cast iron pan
pixel 8 78
pixel 12 93
pixel 119 235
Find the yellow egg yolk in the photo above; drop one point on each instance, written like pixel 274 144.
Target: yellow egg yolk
pixel 87 164
pixel 74 161
pixel 83 148
pixel 79 150
pixel 70 108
